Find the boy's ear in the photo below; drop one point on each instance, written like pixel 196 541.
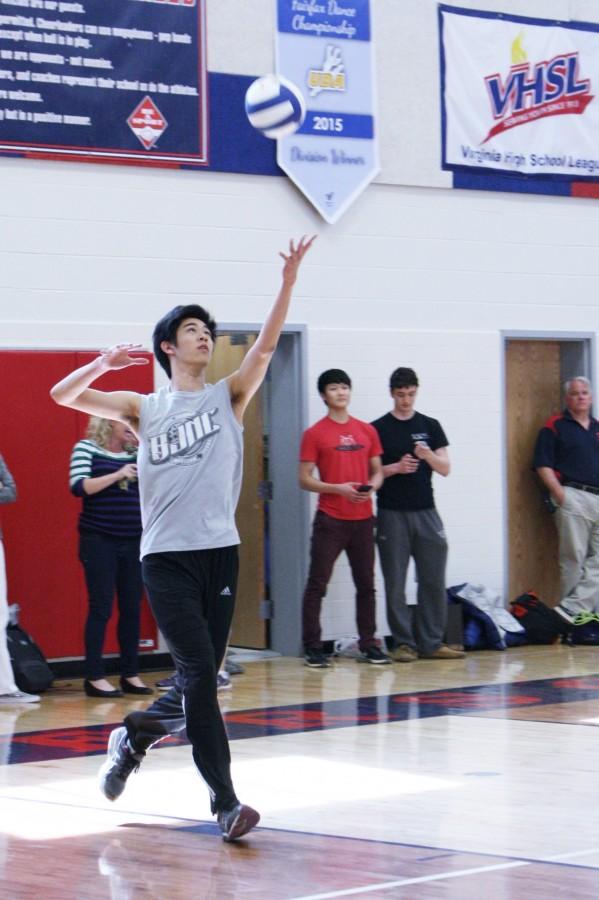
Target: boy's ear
pixel 167 348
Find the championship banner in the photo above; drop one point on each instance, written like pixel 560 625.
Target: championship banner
pixel 325 48
pixel 518 94
pixel 107 80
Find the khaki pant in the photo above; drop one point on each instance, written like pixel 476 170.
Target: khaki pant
pixel 577 521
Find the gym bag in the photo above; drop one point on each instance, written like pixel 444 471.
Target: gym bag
pixel 585 630
pixel 541 623
pixel 487 624
pixel 30 669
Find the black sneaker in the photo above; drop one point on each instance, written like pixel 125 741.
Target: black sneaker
pixel 375 656
pixel 316 659
pixel 120 763
pixel 236 822
pixel 165 684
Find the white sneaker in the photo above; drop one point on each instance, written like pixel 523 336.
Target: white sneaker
pixel 19 697
pixel 565 613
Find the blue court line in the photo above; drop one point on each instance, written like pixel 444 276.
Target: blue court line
pixel 64 743
pixel 205 827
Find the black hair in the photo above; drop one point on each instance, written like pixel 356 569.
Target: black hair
pixel 403 378
pixel 333 376
pixel 166 329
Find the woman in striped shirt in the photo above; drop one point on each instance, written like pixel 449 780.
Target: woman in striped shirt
pixel 103 473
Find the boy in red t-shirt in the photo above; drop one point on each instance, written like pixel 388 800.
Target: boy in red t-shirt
pixel 347 454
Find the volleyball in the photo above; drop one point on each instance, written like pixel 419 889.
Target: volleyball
pixel 274 106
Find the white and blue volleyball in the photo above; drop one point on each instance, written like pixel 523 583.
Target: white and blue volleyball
pixel 274 106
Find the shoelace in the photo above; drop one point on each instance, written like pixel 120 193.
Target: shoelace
pixel 585 618
pixel 127 763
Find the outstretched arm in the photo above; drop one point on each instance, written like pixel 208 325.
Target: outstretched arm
pixel 74 391
pixel 244 383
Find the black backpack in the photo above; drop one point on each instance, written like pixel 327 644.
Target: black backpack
pixel 30 669
pixel 543 625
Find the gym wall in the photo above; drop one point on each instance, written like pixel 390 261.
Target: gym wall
pixel 426 276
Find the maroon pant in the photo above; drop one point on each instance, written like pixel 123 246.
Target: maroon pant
pixel 329 538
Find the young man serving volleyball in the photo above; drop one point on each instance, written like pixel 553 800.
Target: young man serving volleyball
pixel 189 467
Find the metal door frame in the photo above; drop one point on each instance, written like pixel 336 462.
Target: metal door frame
pixel 289 508
pixel 585 360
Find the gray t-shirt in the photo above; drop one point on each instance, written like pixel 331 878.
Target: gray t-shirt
pixel 190 465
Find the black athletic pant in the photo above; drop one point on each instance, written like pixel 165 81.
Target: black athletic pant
pixel 111 562
pixel 192 595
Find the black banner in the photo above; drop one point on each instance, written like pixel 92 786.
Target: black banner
pixel 106 80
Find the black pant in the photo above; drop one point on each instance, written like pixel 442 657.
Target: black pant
pixel 111 563
pixel 192 595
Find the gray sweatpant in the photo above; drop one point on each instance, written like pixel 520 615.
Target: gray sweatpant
pixel 418 534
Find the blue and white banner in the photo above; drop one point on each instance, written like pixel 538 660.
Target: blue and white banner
pixel 325 48
pixel 518 94
pixel 107 80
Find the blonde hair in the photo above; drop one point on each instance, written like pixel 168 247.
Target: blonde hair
pixel 99 431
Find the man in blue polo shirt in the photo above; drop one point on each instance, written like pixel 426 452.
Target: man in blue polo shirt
pixel 567 461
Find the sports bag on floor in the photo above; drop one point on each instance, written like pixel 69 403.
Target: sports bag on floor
pixel 30 669
pixel 490 628
pixel 585 630
pixel 541 623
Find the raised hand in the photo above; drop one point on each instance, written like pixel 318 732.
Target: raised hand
pixel 294 258
pixel 422 450
pixel 118 357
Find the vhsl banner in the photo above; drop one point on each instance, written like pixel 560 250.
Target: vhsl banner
pixel 325 48
pixel 517 94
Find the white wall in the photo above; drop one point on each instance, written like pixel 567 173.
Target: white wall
pixel 92 255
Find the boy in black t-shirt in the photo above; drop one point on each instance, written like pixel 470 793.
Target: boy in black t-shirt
pixel 408 525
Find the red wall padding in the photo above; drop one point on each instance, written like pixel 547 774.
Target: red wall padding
pixel 40 530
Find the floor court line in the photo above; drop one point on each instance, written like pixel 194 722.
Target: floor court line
pixel 442 876
pixel 558 857
pixel 90 740
pixel 185 823
pixel 404 882
pixel 205 826
pixel 432 848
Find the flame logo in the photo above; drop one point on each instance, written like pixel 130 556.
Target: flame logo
pixel 518 52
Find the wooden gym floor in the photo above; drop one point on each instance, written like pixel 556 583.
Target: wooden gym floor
pixel 473 779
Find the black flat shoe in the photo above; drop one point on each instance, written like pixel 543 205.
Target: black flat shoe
pixel 92 691
pixel 128 688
